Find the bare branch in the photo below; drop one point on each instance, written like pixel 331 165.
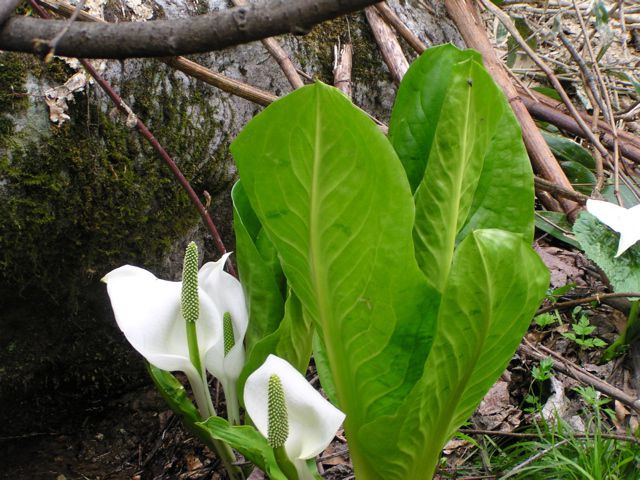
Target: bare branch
pixel 173 37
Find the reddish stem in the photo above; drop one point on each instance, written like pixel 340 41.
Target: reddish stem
pixel 142 128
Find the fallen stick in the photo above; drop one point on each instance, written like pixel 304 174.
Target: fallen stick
pixel 389 45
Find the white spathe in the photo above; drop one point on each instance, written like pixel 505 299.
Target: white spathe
pixel 148 312
pixel 313 421
pixel 225 291
pixel 625 221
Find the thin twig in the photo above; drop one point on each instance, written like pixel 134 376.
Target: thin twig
pixel 405 32
pixel 388 43
pixel 560 191
pixel 611 436
pixel 508 24
pixel 175 170
pixel 280 56
pixel 607 110
pixel 191 68
pixel 580 301
pixel 53 43
pixel 574 371
pixel 532 459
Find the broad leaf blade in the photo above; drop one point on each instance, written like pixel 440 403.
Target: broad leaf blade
pixel 260 272
pixel 333 198
pixel 418 105
pixel 469 118
pixel 495 285
pixel 504 197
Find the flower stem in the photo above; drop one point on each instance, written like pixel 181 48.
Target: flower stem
pixel 233 407
pixel 285 464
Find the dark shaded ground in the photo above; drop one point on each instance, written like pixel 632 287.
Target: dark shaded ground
pixel 134 436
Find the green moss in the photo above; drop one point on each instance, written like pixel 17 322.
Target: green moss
pixel 13 94
pixel 320 41
pixel 94 195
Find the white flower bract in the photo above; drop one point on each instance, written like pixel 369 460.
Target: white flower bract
pixel 313 421
pixel 625 221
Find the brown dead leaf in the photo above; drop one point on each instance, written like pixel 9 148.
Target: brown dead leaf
pixel 496 412
pixel 561 264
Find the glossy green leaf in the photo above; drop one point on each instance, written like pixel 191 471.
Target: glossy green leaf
pixel 418 105
pixel 600 243
pixel 567 150
pixel 495 285
pixel 557 225
pixel 260 273
pixel 291 341
pixel 333 198
pixel 248 441
pixel 582 179
pixel 477 176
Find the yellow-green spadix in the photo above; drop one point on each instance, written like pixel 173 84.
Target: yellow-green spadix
pixel 312 420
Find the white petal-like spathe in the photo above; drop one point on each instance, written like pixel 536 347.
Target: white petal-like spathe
pixel 225 291
pixel 620 219
pixel 313 421
pixel 147 310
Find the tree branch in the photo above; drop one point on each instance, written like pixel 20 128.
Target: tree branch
pixel 178 36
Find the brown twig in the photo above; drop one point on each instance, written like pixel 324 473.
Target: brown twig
pixel 392 19
pixel 545 109
pixel 388 43
pixel 55 40
pixel 466 18
pixel 191 68
pixel 342 69
pixel 607 110
pixel 574 371
pixel 175 170
pixel 280 56
pixel 508 24
pixel 580 301
pixel 557 190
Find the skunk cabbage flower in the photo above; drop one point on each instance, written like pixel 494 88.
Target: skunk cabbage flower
pixel 225 359
pixel 305 423
pixel 622 220
pixel 148 311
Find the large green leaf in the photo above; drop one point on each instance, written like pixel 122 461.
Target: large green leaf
pixel 600 243
pixel 260 273
pixel 469 117
pixel 333 198
pixel 494 287
pixel 418 105
pixel 450 112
